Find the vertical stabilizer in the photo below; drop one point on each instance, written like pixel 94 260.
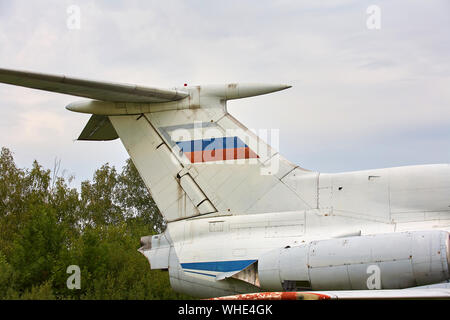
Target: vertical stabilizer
pixel 199 160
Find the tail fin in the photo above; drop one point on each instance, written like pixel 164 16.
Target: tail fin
pixel 196 159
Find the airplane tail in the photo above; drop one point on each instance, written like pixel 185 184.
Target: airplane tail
pixel 197 159
pixel 194 157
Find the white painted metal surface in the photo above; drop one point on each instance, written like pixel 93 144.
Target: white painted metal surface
pixel 417 258
pixel 243 219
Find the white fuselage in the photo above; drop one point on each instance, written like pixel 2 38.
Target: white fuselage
pixel 382 201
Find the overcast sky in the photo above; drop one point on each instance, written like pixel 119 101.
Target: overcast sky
pixel 362 98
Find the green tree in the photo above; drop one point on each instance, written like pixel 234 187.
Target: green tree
pixel 46 226
pixel 37 247
pixel 135 199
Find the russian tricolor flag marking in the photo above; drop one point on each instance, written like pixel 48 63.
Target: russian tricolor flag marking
pixel 216 149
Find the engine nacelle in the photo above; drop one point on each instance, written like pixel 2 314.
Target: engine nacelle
pixel 389 261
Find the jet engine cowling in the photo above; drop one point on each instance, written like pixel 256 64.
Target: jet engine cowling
pixel 382 261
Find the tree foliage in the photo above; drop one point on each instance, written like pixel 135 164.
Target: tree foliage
pixel 47 226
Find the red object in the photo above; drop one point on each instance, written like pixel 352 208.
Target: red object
pixel 277 296
pixel 219 155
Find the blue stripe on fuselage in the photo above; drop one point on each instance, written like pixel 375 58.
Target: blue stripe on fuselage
pixel 218 266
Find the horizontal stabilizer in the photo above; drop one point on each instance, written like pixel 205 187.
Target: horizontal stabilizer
pixel 104 91
pixel 99 128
